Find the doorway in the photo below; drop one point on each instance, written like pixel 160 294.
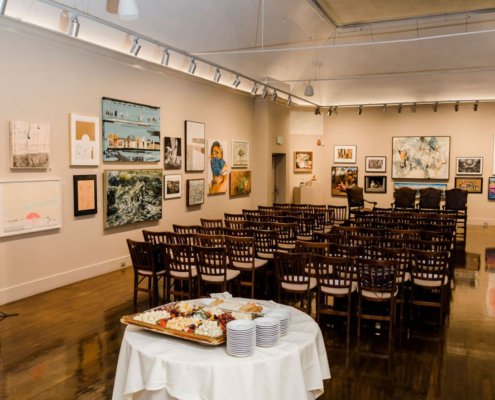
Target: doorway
pixel 278 178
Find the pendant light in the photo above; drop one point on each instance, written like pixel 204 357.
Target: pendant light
pixel 128 10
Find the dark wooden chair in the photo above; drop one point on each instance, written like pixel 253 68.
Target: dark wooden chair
pixel 404 198
pixel 286 235
pixel 430 198
pixel 185 228
pixel 155 237
pixel 233 217
pixel 182 273
pixel 456 201
pixel 210 230
pixel 339 214
pixel 237 224
pixel 305 227
pixel 209 240
pixel 265 241
pixel 356 201
pixel 238 232
pixel 211 223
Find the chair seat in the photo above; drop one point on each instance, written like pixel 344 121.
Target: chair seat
pixel 304 237
pixel 231 274
pixel 184 274
pixel 147 272
pixel 258 263
pixel 265 256
pixel 338 290
pixel 431 283
pixel 286 246
pixel 299 287
pixel 377 295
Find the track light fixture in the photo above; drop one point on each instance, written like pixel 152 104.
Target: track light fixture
pixel 254 90
pixel 384 109
pixel 435 106
pixel 317 111
pixel 360 110
pixel 456 106
pixel 135 47
pixel 237 81
pixel 335 110
pixel 3 6
pixel 274 95
pixel 330 111
pixel 128 10
pixel 264 94
pixel 289 100
pixel 192 66
pixel 476 105
pixel 165 57
pixel 399 108
pixel 413 107
pixel 74 27
pixel 218 75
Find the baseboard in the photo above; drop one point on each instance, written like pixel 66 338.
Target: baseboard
pixel 46 283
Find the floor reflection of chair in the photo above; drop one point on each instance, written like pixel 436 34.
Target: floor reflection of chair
pixel 182 272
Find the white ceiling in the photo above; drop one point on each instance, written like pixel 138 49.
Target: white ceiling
pixel 353 51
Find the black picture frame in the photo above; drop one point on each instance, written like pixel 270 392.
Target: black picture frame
pixel 85 195
pixel 471 184
pixel 375 184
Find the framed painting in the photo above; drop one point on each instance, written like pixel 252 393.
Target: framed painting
pixel 84 140
pixel 195 192
pixel 172 158
pixel 375 164
pixel 420 157
pixel 303 161
pixel 491 188
pixel 240 183
pixel 28 206
pixel 375 184
pixel 240 154
pixel 132 196
pixel 471 185
pixel 29 145
pixel 84 188
pixel 469 166
pixel 195 146
pixel 343 178
pixel 131 132
pixel 490 259
pixel 344 154
pixel 219 168
pixel 172 186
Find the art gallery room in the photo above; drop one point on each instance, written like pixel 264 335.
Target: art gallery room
pixel 247 199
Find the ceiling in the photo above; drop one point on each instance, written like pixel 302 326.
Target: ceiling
pixel 352 51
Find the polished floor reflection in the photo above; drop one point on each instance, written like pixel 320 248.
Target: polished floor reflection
pixel 65 343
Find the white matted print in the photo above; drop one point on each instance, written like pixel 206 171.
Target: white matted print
pixel 375 163
pixel 345 154
pixel 84 142
pixel 172 186
pixel 240 154
pixel 469 166
pixel 218 167
pixel 29 145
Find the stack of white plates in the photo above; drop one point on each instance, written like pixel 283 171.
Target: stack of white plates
pixel 241 338
pixel 284 317
pixel 267 331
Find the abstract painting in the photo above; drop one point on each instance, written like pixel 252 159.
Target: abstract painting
pixel 469 166
pixel 343 178
pixel 418 185
pixel 173 153
pixel 195 146
pixel 195 192
pixel 491 188
pixel 375 184
pixel 29 145
pixel 172 186
pixel 240 154
pixel 470 185
pixel 303 161
pixel 84 140
pixel 132 196
pixel 420 157
pixel 30 206
pixel 375 164
pixel 240 183
pixel 219 169
pixel 131 132
pixel 84 195
pixel 344 154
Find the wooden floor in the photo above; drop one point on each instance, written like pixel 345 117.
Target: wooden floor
pixel 65 343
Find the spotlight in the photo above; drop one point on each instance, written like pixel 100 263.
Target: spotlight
pixel 217 76
pixel 237 81
pixel 476 105
pixel 335 110
pixel 274 95
pixel 254 90
pixel 135 47
pixel 317 111
pixel 360 110
pixel 128 10
pixel 413 107
pixel 456 106
pixel 384 108
pixel 165 57
pixel 192 66
pixel 264 94
pixel 74 27
pixel 330 111
pixel 289 100
pixel 3 6
pixel 399 109
pixel 308 90
pixel 435 106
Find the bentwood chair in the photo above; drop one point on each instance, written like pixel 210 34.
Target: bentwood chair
pixel 181 270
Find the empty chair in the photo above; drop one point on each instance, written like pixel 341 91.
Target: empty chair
pixel 286 235
pixel 209 240
pixel 305 227
pixel 362 241
pixel 329 237
pixel 410 234
pixel 429 198
pixel 456 201
pixel 185 228
pixel 319 221
pixel 265 243
pixel 236 224
pixel 311 248
pixel 356 201
pixel 247 212
pixel 259 225
pixel 181 238
pixel 233 217
pixel 339 214
pixel 238 232
pixel 211 223
pixel 210 230
pixel 181 271
pixel 155 237
pixel 404 198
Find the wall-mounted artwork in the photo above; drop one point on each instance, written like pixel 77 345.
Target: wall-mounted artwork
pixel 469 165
pixel 344 154
pixel 240 183
pixel 172 186
pixel 29 145
pixel 132 196
pixel 471 185
pixel 131 132
pixel 491 188
pixel 375 164
pixel 490 259
pixel 303 161
pixel 420 185
pixel 84 140
pixel 84 187
pixel 195 192
pixel 343 178
pixel 172 158
pixel 30 206
pixel 219 168
pixel 375 184
pixel 240 154
pixel 195 146
pixel 420 157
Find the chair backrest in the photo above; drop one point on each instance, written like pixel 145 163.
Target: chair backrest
pixel 236 224
pixel 305 226
pixel 329 237
pixel 355 197
pixel 430 198
pixel 290 268
pixel 411 234
pixel 185 228
pixel 432 266
pixel 240 250
pixel 247 212
pixel 180 258
pixel 344 250
pixel 143 255
pixel 312 248
pixel 405 197
pixel 339 213
pixel 401 256
pixel 265 242
pixel 257 225
pixel 456 199
pixel 286 232
pixel 211 261
pixel 377 276
pixel 363 241
pixel 181 238
pixel 211 223
pixel 333 272
pixel 155 237
pixel 210 230
pixel 234 217
pixel 209 240
pixel 432 245
pixel 238 232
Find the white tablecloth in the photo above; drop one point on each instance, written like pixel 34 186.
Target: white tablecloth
pixel 153 366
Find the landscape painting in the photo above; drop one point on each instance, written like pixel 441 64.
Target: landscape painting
pixel 343 178
pixel 240 183
pixel 29 145
pixel 172 158
pixel 132 196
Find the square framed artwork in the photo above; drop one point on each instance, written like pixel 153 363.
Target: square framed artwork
pixel 344 154
pixel 29 145
pixel 303 161
pixel 375 184
pixel 84 187
pixel 240 183
pixel 195 192
pixel 375 164
pixel 343 178
pixel 195 146
pixel 491 188
pixel 471 185
pixel 172 186
pixel 469 166
pixel 172 153
pixel 84 140
pixel 240 154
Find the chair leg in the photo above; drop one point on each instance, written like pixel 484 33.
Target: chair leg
pixel 135 293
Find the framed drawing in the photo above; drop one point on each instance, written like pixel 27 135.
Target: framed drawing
pixel 84 187
pixel 375 184
pixel 303 161
pixel 471 185
pixel 469 166
pixel 344 154
pixel 28 206
pixel 29 145
pixel 132 196
pixel 195 192
pixel 342 179
pixel 219 168
pixel 84 140
pixel 420 157
pixel 172 186
pixel 491 188
pixel 131 132
pixel 195 146
pixel 172 155
pixel 375 164
pixel 240 183
pixel 240 154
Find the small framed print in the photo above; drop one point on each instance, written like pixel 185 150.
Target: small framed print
pixel 172 186
pixel 84 140
pixel 490 259
pixel 303 161
pixel 469 166
pixel 470 185
pixel 375 184
pixel 240 154
pixel 344 154
pixel 84 195
pixel 195 192
pixel 195 146
pixel 375 164
pixel 491 188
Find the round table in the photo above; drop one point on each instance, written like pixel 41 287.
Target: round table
pixel 152 366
